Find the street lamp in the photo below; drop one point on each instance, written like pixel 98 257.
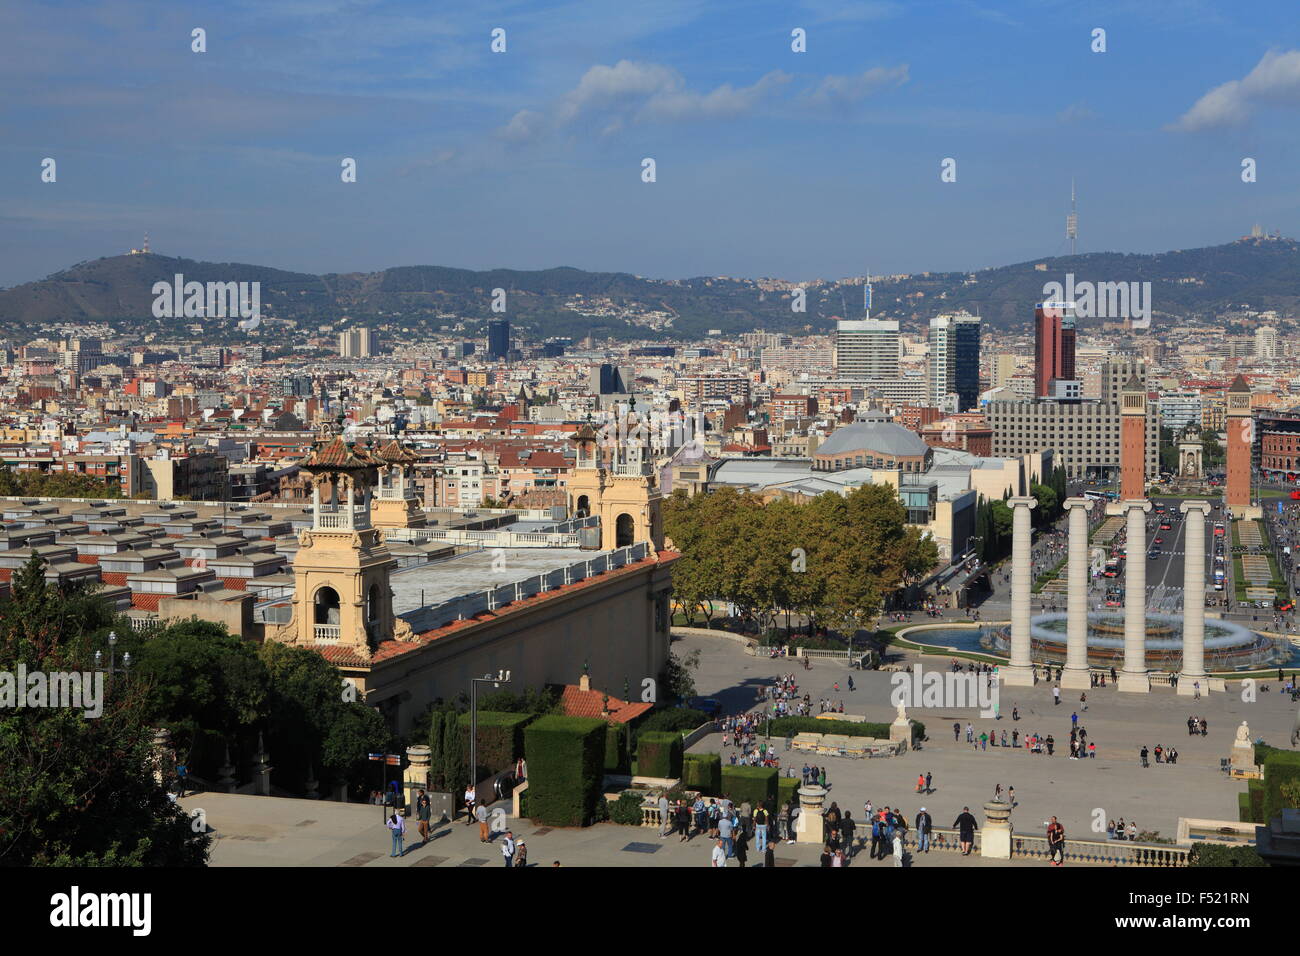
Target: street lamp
pixel 503 677
pixel 112 658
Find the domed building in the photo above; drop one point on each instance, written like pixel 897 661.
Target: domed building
pixel 873 442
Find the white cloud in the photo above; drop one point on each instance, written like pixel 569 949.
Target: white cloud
pixel 628 93
pixel 843 90
pixel 1274 80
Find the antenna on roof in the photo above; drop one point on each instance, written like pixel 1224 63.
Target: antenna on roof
pixel 866 296
pixel 1072 220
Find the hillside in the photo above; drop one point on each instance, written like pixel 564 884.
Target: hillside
pixel 1253 273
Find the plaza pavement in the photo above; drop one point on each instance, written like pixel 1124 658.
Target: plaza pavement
pixel 260 831
pixel 1114 781
pixel 270 831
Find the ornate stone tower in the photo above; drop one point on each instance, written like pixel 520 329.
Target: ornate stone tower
pixel 1133 441
pixel 625 496
pixel 395 504
pixel 1241 437
pixel 341 571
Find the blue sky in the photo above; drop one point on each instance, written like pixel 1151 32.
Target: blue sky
pixel 769 162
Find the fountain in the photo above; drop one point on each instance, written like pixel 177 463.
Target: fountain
pixel 1228 646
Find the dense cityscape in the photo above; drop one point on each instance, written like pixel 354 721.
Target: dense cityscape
pixel 422 565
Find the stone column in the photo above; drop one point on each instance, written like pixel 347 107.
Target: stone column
pixel 1194 600
pixel 1133 677
pixel 1076 676
pixel 995 841
pixel 810 827
pixel 1019 672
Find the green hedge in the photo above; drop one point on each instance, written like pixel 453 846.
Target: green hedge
pixel 565 759
pixel 659 754
pixel 703 772
pixel 789 726
pixel 787 791
pixel 616 750
pixel 500 739
pixel 673 719
pixel 1251 803
pixel 1281 766
pixel 755 784
pixel 1216 854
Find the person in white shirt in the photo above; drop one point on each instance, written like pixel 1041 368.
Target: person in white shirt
pixel 508 848
pixel 719 854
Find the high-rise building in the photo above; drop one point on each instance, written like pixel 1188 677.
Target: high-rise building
pixel 1054 346
pixel 357 343
pixel 606 379
pixel 498 340
pixel 939 383
pixel 1265 342
pixel 866 348
pixel 966 361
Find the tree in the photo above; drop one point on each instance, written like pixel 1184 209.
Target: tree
pixel 678 679
pixel 78 790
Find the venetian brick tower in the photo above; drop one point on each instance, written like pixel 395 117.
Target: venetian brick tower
pixel 1240 438
pixel 1133 441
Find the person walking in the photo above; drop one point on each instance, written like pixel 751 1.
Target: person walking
pixel 1056 696
pixel 956 732
pixel 481 814
pixel 423 811
pixel 521 854
pixel 966 826
pixel 877 838
pixel 741 848
pixel 920 782
pixel 397 825
pixel 508 849
pixel 923 824
pixel 471 805
pixel 898 847
pixel 1056 842
pixel 1143 755
pixel 761 817
pixel 928 778
pixel 847 829
pixel 719 855
pixel 665 820
pixel 724 832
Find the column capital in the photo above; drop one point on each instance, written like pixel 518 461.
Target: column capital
pixel 1023 501
pixel 1077 502
pixel 1136 504
pixel 1203 507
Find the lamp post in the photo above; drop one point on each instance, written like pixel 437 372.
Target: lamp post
pixel 503 677
pixel 112 658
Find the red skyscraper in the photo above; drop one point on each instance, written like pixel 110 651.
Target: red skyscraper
pixel 1054 337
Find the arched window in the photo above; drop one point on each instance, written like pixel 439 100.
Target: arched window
pixel 326 606
pixel 624 531
pixel 584 506
pixel 372 603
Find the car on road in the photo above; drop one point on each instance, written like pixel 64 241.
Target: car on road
pixel 1166 526
pixel 1160 540
pixel 1155 553
pixel 709 705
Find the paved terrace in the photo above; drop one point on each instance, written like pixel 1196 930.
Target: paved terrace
pixel 1154 797
pixel 271 831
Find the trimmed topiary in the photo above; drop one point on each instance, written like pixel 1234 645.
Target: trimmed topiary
pixel 703 772
pixel 565 762
pixel 753 784
pixel 659 754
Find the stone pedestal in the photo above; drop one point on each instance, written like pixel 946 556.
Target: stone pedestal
pixel 1193 671
pixel 1133 676
pixel 1019 671
pixel 1075 675
pixel 416 776
pixel 1242 758
pixel 900 731
pixel 810 827
pixel 995 841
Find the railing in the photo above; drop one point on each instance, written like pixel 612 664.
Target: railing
pixel 343 518
pixel 1112 852
pixel 146 624
pixel 327 633
pixel 467 605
